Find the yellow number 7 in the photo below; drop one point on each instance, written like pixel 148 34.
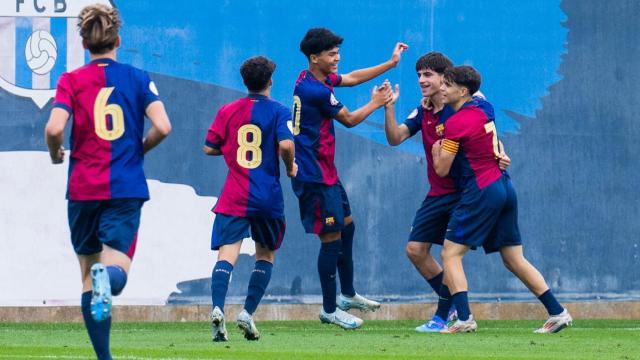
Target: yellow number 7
pixel 491 128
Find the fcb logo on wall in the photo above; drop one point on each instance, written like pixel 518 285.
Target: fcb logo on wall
pixel 39 41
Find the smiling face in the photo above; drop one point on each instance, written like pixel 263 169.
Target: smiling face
pixel 452 93
pixel 430 82
pixel 327 61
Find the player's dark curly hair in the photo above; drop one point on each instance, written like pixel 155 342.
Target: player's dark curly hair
pixel 435 61
pixel 465 76
pixel 317 40
pixel 256 73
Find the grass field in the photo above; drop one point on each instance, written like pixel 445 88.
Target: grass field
pixel 587 339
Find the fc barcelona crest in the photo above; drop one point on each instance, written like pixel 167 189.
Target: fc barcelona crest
pixel 39 41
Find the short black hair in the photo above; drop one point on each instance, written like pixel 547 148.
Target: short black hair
pixel 256 73
pixel 317 40
pixel 435 61
pixel 465 76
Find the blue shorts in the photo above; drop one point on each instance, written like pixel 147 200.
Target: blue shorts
pixel 487 217
pixel 322 207
pixel 430 222
pixel 112 222
pixel 229 230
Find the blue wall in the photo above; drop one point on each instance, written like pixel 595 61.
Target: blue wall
pixel 562 76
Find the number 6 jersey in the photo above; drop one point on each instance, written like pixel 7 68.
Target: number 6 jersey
pixel 107 101
pixel 247 132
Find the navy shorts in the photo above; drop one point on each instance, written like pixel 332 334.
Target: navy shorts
pixel 229 230
pixel 112 222
pixel 432 218
pixel 322 207
pixel 487 217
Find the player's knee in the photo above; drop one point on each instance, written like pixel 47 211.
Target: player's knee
pixel 414 251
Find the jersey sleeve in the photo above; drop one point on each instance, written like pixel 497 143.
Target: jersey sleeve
pixel 453 134
pixel 216 134
pixel 335 79
pixel 64 94
pixel 414 121
pixel 282 120
pixel 329 105
pixel 149 90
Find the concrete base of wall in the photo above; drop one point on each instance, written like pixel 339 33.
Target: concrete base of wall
pixel 483 311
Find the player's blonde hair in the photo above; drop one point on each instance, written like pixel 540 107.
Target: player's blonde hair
pixel 99 26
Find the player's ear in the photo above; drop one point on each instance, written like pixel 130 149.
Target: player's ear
pixel 118 42
pixel 84 45
pixel 313 58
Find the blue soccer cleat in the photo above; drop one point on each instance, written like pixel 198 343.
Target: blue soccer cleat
pixel 101 293
pixel 435 325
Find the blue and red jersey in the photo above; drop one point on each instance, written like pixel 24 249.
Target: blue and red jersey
pixel 314 108
pixel 471 134
pixel 247 132
pixel 432 126
pixel 107 101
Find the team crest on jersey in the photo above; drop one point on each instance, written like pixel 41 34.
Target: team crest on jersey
pixel 440 129
pixel 39 41
pixel 329 221
pixel 333 100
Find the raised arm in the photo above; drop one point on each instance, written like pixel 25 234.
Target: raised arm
pixel 379 97
pixel 395 134
pixel 160 125
pixel 359 76
pixel 54 134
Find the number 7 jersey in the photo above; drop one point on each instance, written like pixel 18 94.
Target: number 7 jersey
pixel 107 101
pixel 247 132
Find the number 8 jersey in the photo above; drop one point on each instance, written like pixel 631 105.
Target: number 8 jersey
pixel 107 101
pixel 247 132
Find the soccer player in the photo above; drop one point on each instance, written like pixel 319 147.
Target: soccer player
pixel 430 223
pixel 106 186
pixel 249 133
pixel 324 206
pixel 487 213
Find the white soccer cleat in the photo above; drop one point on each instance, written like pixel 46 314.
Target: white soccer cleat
pixel 218 329
pixel 341 318
pixel 357 302
pixel 246 324
pixel 556 323
pixel 460 326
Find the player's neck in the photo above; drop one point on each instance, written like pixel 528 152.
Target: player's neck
pixel 108 55
pixel 265 93
pixel 317 73
pixel 436 103
pixel 458 104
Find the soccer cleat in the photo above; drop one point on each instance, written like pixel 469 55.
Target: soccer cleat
pixel 101 293
pixel 556 323
pixel 459 326
pixel 452 316
pixel 246 324
pixel 341 318
pixel 218 330
pixel 357 302
pixel 436 324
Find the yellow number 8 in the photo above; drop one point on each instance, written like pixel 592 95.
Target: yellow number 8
pixel 100 112
pixel 247 146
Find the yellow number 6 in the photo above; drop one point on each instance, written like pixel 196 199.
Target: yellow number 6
pixel 100 112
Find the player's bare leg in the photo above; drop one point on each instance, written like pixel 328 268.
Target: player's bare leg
pixel 514 260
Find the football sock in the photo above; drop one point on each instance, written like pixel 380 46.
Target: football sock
pixel 327 263
pixel 436 282
pixel 98 331
pixel 257 285
pixel 444 303
pixel 461 301
pixel 345 261
pixel 117 279
pixel 551 303
pixel 220 283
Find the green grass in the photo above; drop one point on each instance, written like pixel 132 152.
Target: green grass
pixel 587 339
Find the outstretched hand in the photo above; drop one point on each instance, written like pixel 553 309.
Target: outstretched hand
pixel 397 52
pixel 380 95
